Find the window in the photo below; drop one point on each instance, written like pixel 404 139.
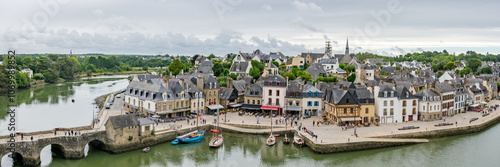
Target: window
pixel 392 111
pixel 404 111
pixel 310 94
pixel 298 94
pixel 352 110
pixel 423 108
pixel 177 104
pixel 316 94
pixel 201 104
pixel 345 110
pixel 169 105
pixel 251 92
pixel 289 102
pixel 253 101
pixel 278 102
pixel 258 102
pixel 316 103
pixel 277 83
pixel 392 93
pixel 385 94
pixel 270 83
pixel 277 92
pixel 270 92
pixel 366 110
pixel 347 101
pixel 414 111
pixel 149 105
pixel 209 94
pixel 404 103
pixel 290 94
pixel 385 111
pixel 414 103
pixel 392 103
pixel 270 101
pixel 385 102
pixel 248 101
pixel 309 103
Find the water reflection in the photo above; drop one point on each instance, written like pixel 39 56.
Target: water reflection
pixel 48 106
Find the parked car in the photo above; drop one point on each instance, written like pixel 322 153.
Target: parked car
pixel 108 105
pixel 118 96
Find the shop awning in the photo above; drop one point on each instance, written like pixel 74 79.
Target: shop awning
pixel 215 107
pixel 350 119
pixel 134 107
pixel 236 105
pixel 483 102
pixel 150 111
pixel 251 107
pixel 474 105
pixel 292 108
pixel 269 108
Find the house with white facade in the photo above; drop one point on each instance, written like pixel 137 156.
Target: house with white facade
pixel 240 66
pixel 273 95
pixel 429 105
pixel 386 103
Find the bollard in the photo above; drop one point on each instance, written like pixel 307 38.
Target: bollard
pixel 348 139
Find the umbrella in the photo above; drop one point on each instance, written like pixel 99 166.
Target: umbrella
pixel 156 116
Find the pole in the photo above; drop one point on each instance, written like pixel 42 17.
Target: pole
pixel 93 119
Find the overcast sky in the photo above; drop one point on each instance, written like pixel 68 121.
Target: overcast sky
pixel 188 27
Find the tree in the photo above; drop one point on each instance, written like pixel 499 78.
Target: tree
pixel 38 76
pixel 350 68
pixel 465 71
pixel 440 73
pixel 351 77
pixel 53 57
pixel 254 72
pixel 217 69
pixel 276 63
pixel 184 59
pixel 486 70
pixel 225 73
pixel 176 67
pixel 341 66
pixel 473 63
pixel 258 64
pixel 222 81
pixel 305 76
pixel 233 76
pixel 398 68
pixel 449 66
pixel 145 68
pixel 211 56
pixel 379 64
pixel 290 75
pixel 50 76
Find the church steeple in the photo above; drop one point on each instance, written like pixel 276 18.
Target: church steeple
pixel 347 47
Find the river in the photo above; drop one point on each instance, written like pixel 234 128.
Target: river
pixel 49 106
pixel 479 149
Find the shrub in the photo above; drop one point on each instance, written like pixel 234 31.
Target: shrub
pixel 130 138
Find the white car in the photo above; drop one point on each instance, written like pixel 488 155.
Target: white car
pixel 118 96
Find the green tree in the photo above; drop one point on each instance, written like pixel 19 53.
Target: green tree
pixel 449 66
pixel 53 57
pixel 465 71
pixel 145 68
pixel 473 63
pixel 486 70
pixel 211 56
pixel 38 76
pixel 222 81
pixel 258 64
pixel 351 77
pixel 254 72
pixel 233 76
pixel 305 76
pixel 22 80
pixel 226 72
pixel 350 68
pixel 276 63
pixel 341 66
pixel 217 69
pixel 398 68
pixel 440 73
pixel 176 67
pixel 290 75
pixel 184 59
pixel 50 76
pixel 379 64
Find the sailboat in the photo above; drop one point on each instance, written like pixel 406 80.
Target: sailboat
pixel 271 140
pixel 217 140
pixel 192 137
pixel 286 140
pixel 297 139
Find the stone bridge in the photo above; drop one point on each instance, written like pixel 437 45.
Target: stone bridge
pixel 27 152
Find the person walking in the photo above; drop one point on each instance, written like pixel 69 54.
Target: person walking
pixel 22 136
pixel 64 133
pixel 314 123
pixel 31 138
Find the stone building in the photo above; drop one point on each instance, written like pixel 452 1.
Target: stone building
pixel 253 97
pixel 121 128
pixel 429 105
pixel 273 97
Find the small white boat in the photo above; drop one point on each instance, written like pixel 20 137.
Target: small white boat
pixel 146 149
pixel 271 140
pixel 216 141
pixel 297 140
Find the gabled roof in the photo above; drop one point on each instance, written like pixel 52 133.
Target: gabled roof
pixel 239 85
pixel 328 61
pixel 121 121
pixel 227 93
pixel 315 69
pixel 426 93
pixel 403 93
pixel 444 87
pixel 239 67
pixel 207 63
pixel 254 90
pixel 210 81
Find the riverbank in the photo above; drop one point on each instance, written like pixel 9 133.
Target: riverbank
pixel 112 73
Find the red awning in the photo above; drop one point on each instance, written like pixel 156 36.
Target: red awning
pixel 269 108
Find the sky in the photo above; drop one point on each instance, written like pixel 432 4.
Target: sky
pixel 188 27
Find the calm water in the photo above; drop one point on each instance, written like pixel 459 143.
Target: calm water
pixel 481 149
pixel 49 106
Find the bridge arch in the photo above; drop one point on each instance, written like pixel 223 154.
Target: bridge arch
pixel 48 152
pixel 93 145
pixel 10 159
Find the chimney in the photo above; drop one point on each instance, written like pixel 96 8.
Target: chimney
pixel 181 81
pixel 229 82
pixel 465 81
pixel 199 82
pixel 344 87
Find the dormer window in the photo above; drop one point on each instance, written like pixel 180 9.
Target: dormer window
pixel 297 94
pixel 277 83
pixel 392 93
pixel 407 95
pixel 347 101
pixel 424 98
pixel 385 93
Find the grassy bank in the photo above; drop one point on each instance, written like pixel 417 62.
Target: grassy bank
pixel 114 73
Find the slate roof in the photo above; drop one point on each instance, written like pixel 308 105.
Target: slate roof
pixel 339 56
pixel 314 56
pixel 406 84
pixel 145 121
pixel 254 90
pixel 328 61
pixel 274 80
pixel 207 63
pixel 148 91
pixel 210 79
pixel 248 79
pixel 388 69
pixel 426 93
pixel 239 85
pixel 403 93
pixel 121 121
pixel 315 69
pixel 204 69
pixel 375 61
pixel 145 77
pixel 239 67
pixel 225 93
pixel 294 89
pixel 444 87
pixel 372 83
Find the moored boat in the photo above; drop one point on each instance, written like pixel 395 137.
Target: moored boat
pixel 145 149
pixel 297 140
pixel 271 140
pixel 286 140
pixel 175 142
pixel 215 130
pixel 192 138
pixel 276 135
pixel 216 141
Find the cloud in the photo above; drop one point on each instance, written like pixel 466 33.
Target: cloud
pixel 98 12
pixel 267 7
pixel 299 22
pixel 304 6
pixel 400 50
